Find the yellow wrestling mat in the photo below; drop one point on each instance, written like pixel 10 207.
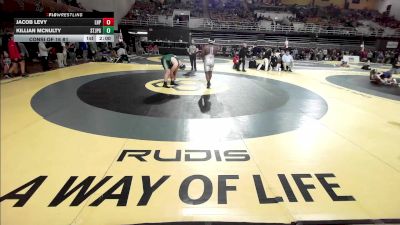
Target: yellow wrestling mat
pixel 341 166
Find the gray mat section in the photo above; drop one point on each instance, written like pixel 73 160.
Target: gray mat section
pixel 362 84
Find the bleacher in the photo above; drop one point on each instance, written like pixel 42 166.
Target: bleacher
pixel 279 40
pixel 296 20
pixel 207 24
pixel 305 26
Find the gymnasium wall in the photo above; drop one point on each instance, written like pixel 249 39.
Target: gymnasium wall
pixel 120 7
pixel 166 33
pixel 368 4
pixel 395 7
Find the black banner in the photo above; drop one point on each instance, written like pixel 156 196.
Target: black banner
pixel 59 30
pixel 62 15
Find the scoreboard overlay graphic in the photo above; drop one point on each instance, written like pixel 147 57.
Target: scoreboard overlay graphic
pixel 65 27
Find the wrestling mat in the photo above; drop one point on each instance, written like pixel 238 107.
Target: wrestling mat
pixel 103 143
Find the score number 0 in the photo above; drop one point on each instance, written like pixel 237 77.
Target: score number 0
pixel 108 25
pixel 108 21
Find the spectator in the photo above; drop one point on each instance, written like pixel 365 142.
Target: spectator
pixel 122 54
pixel 236 60
pixel 156 50
pixel 5 64
pixel 396 65
pixel 24 53
pixel 287 61
pixel 44 54
pixel 295 54
pixel 92 50
pixel 15 56
pixel 380 57
pixel 265 57
pixel 369 56
pixel 60 54
pixel 224 50
pixel 65 50
pixel 242 56
pixel 325 54
pixel 253 62
pixel 83 46
pixel 274 60
pixel 121 51
pixel 72 53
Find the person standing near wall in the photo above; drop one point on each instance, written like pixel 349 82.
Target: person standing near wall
pixel 5 62
pixel 92 51
pixel 242 56
pixel 24 54
pixel 72 53
pixel 84 48
pixel 396 64
pixel 15 56
pixel 192 51
pixel 44 54
pixel 60 55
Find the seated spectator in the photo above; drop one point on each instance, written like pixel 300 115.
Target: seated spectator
pixel 253 63
pixel 274 60
pixel 113 52
pixel 150 49
pixel 266 55
pixel 121 51
pixel 396 65
pixel 122 54
pixel 287 61
pixel 380 57
pixel 156 50
pixel 5 64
